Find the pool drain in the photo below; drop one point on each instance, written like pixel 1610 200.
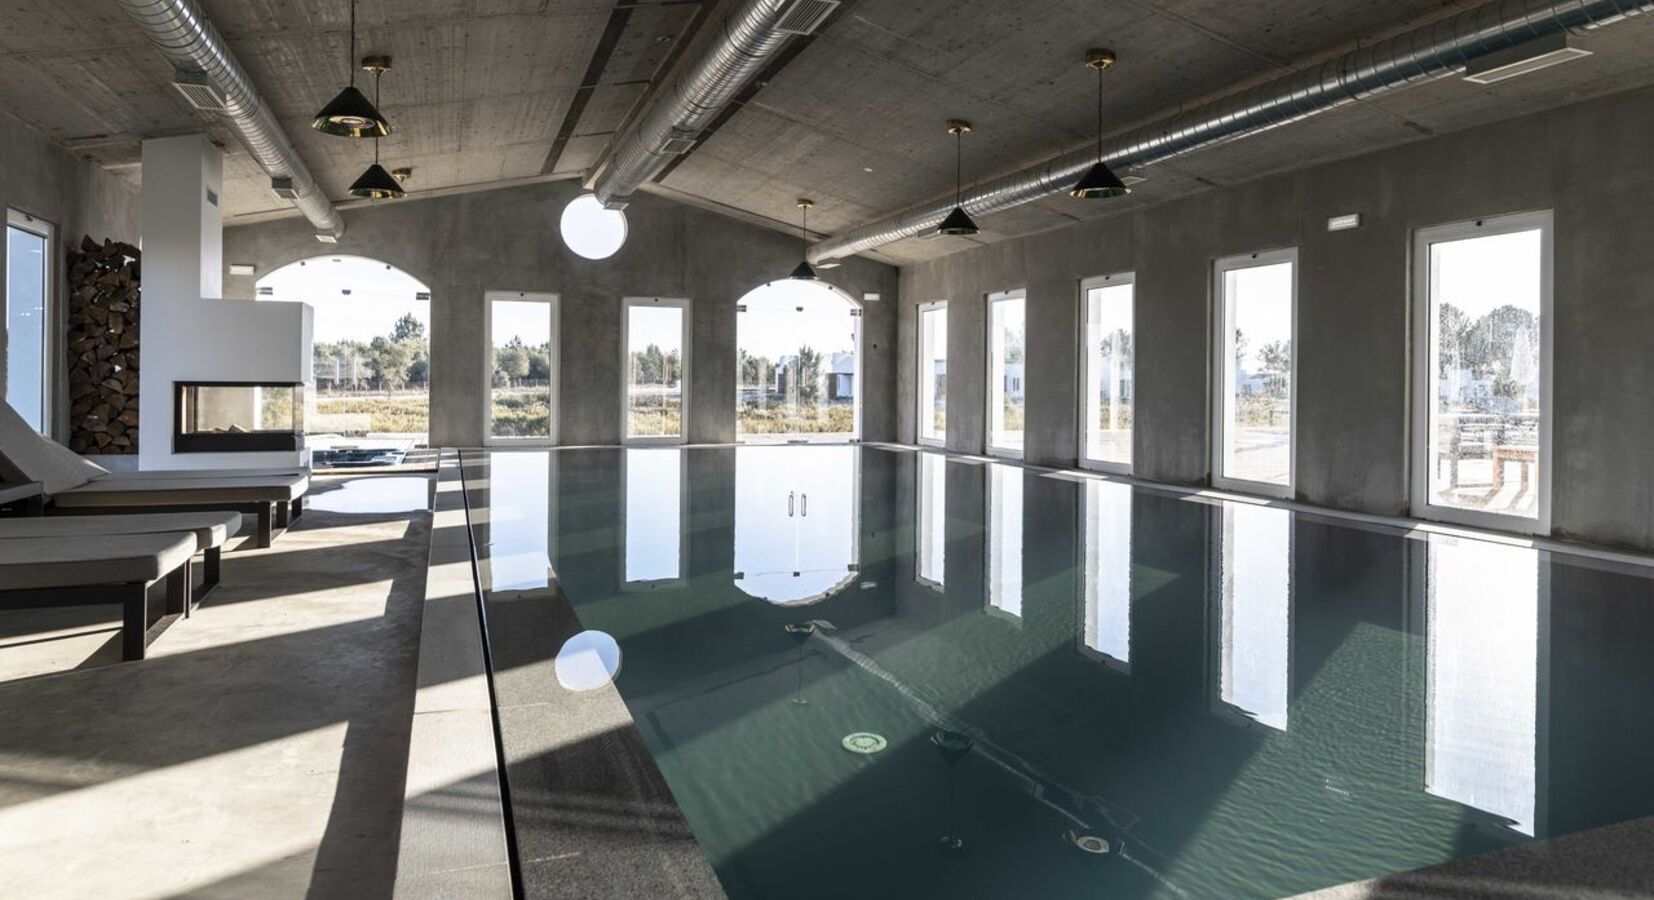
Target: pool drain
pixel 1089 843
pixel 864 743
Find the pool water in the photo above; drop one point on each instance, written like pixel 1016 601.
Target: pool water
pixel 870 672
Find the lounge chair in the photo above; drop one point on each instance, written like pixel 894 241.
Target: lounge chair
pixel 78 571
pixel 211 530
pixel 74 485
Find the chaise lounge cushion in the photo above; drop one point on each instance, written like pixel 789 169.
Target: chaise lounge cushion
pixel 27 563
pixel 27 456
pixel 211 528
pixel 120 490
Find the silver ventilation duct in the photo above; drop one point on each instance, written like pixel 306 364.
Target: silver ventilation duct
pixel 748 36
pixel 1428 52
pixel 184 36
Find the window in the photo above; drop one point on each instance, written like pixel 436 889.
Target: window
pixel 1106 373
pixel 590 229
pixel 1106 571
pixel 1254 633
pixel 655 498
pixel 930 525
pixel 28 319
pixel 522 339
pixel 933 374
pixel 370 357
pixel 1005 541
pixel 1007 338
pixel 1481 432
pixel 656 343
pixel 1253 413
pixel 1483 726
pixel 797 363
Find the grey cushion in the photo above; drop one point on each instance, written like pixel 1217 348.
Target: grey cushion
pixel 211 528
pixel 27 456
pixel 102 559
pixel 120 490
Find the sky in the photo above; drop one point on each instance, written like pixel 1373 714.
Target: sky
pixel 773 326
pixel 379 295
pixel 1481 274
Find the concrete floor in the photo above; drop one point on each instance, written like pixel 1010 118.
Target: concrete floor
pixel 259 751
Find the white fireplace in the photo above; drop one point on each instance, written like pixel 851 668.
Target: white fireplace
pixel 191 334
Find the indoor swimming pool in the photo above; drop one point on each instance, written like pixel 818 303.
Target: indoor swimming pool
pixel 873 672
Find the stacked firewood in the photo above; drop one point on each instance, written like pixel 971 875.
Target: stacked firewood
pixel 103 347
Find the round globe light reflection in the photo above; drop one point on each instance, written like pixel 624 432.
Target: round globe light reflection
pixel 588 661
pixel 592 231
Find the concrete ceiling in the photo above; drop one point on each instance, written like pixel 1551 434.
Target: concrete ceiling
pixel 485 91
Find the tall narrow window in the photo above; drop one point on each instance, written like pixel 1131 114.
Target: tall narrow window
pixel 654 490
pixel 1005 540
pixel 1482 721
pixel 657 369
pixel 1253 413
pixel 1106 373
pixel 1007 350
pixel 1107 571
pixel 1254 633
pixel 930 527
pixel 522 330
pixel 933 374
pixel 28 313
pixel 1482 376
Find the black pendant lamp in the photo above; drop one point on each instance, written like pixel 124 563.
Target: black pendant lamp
pixel 376 183
pixel 1099 180
pixel 351 114
pixel 958 221
pixel 804 271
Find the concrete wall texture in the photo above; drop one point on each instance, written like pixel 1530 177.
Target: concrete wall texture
pixel 42 179
pixel 464 245
pixel 1588 163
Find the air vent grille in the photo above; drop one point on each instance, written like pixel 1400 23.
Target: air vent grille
pixel 199 91
pixel 676 145
pixel 805 16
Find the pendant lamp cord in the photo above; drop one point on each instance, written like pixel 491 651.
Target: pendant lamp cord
pixel 958 170
pixel 1099 114
pixel 351 62
pixel 375 94
pixel 806 230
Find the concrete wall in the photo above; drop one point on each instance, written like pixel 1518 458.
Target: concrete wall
pixel 1588 163
pixel 462 246
pixel 42 179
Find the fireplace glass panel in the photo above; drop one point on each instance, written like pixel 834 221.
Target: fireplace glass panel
pixel 231 417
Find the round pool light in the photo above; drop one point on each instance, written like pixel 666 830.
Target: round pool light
pixel 864 743
pixel 591 230
pixel 587 661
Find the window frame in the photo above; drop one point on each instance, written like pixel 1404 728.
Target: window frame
pixel 988 445
pixel 50 339
pixel 1425 380
pixel 919 376
pixel 1083 418
pixel 1223 375
pixel 626 437
pixel 554 389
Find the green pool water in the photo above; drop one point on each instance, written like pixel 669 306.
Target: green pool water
pixel 869 672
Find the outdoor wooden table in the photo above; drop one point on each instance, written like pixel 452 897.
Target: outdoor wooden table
pixel 1524 456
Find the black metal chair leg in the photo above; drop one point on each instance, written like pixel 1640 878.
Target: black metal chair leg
pixel 266 511
pixel 179 581
pixel 134 620
pixel 284 514
pixel 210 561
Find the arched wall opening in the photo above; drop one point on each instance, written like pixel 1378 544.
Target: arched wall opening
pixel 798 363
pixel 371 400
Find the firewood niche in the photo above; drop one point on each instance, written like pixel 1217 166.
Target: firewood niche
pixel 103 347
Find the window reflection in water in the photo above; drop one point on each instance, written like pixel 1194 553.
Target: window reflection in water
pixel 796 515
pixel 1005 540
pixel 1106 570
pixel 1254 627
pixel 1483 611
pixel 930 528
pixel 521 503
pixel 654 516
